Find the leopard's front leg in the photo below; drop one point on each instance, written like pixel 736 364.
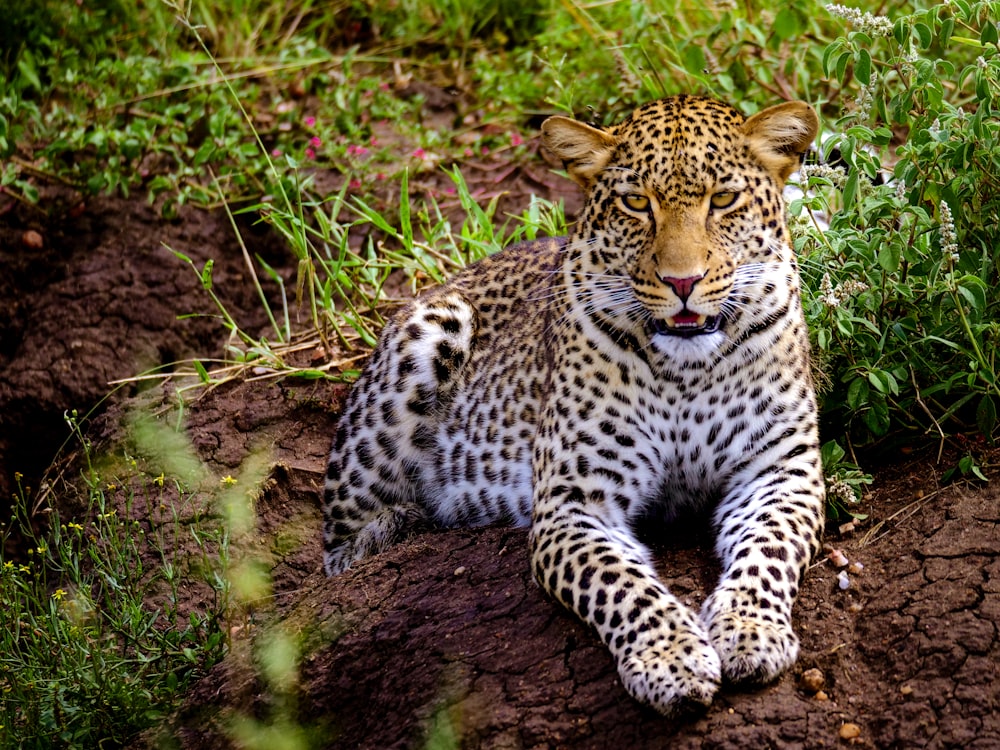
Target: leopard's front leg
pixel 584 554
pixel 768 532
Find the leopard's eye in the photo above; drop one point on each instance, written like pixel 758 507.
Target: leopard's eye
pixel 636 202
pixel 723 200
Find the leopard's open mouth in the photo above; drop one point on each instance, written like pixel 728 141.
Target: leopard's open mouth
pixel 686 324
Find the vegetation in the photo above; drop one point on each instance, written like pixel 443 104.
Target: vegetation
pixel 312 118
pixel 86 660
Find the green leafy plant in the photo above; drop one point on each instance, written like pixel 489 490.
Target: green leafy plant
pixel 902 287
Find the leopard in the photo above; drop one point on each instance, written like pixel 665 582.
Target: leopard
pixel 653 361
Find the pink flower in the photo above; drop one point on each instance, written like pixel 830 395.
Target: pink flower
pixel 420 153
pixel 516 139
pixel 484 150
pixel 355 183
pixel 384 86
pixel 315 141
pixel 373 142
pixel 276 152
pixel 355 150
pixel 310 154
pixel 469 152
pixel 380 175
pixel 310 121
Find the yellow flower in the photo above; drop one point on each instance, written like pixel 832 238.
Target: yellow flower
pixel 112 486
pixel 8 565
pixel 42 549
pixel 58 594
pixel 228 481
pixel 75 526
pixel 159 480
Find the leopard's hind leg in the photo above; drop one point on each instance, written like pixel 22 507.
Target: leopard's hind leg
pixel 384 448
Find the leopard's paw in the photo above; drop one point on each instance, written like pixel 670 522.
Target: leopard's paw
pixel 674 675
pixel 755 648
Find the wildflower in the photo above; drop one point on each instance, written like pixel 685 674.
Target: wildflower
pixel 112 486
pixel 352 149
pixel 156 480
pixel 23 569
pixel 310 154
pixel 355 183
pixel 18 476
pixel 833 296
pixel 383 86
pixel 866 22
pixel 42 549
pixel 419 153
pixel 373 142
pixel 863 104
pixel 316 141
pixel 8 565
pixel 74 526
pixel 469 152
pixel 309 121
pixel 276 152
pixel 228 481
pixel 949 237
pixel 836 176
pixel 516 139
pixel 58 594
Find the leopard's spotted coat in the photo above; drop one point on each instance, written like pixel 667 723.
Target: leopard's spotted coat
pixel 656 357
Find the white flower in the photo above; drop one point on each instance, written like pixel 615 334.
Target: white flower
pixel 866 22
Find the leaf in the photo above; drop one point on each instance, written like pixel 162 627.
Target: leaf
pixel 986 416
pixel 888 256
pixel 924 33
pixel 974 291
pixel 857 393
pixel 989 33
pixel 786 23
pixel 863 67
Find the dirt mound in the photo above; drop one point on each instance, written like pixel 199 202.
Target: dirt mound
pixel 448 636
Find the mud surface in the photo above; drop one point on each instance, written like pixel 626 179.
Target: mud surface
pixel 444 641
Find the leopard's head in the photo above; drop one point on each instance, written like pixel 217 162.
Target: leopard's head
pixel 681 195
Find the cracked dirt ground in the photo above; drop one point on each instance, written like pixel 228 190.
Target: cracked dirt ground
pixel 446 637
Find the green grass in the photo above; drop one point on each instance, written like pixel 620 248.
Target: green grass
pixel 87 659
pixel 305 117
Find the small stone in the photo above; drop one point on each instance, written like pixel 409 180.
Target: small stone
pixel 855 567
pixel 906 690
pixel 33 240
pixel 821 695
pixel 460 570
pixel 843 581
pixel 850 731
pixel 812 680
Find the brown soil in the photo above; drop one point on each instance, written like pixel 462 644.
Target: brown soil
pixel 445 641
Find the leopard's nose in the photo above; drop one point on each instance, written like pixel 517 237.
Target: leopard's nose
pixel 682 287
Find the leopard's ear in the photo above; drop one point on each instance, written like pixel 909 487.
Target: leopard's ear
pixel 780 135
pixel 583 149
